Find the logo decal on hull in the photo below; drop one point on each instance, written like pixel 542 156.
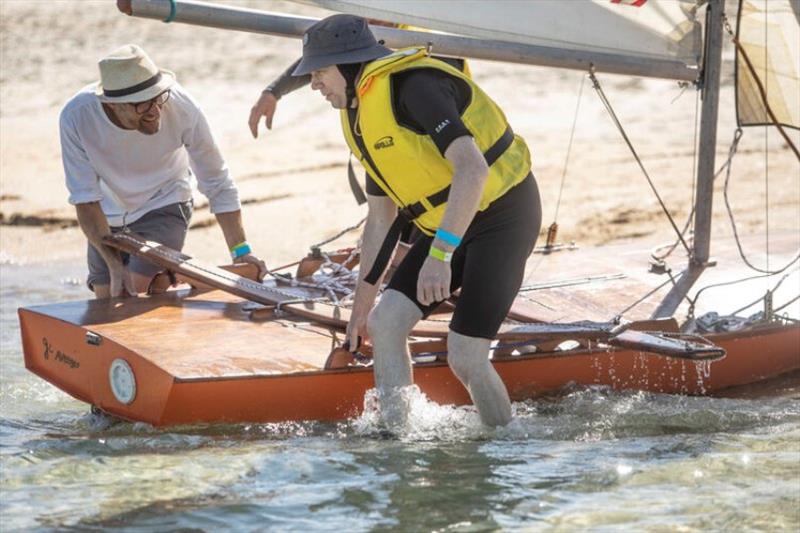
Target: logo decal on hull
pixel 58 355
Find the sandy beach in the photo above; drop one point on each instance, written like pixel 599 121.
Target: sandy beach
pixel 293 179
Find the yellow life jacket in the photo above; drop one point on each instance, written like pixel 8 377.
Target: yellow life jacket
pixel 406 164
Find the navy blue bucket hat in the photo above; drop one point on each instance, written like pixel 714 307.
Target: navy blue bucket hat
pixel 338 40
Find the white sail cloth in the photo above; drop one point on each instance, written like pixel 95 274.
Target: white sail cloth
pixel 769 33
pixel 656 29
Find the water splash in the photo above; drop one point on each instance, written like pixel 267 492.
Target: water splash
pixel 425 420
pixel 703 372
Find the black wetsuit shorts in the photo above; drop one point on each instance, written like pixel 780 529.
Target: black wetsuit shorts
pixel 488 265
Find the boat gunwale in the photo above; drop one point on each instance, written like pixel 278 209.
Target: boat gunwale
pixel 767 329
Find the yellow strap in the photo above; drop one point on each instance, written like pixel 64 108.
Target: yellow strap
pixel 426 204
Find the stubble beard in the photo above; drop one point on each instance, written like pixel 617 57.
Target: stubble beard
pixel 149 128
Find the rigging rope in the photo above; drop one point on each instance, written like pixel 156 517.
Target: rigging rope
pixel 693 301
pixel 646 296
pixel 617 123
pixel 762 91
pixel 343 232
pixel 689 225
pixel 335 277
pixel 787 304
pixel 695 146
pixel 766 143
pixel 569 147
pixel 737 136
pixel 775 288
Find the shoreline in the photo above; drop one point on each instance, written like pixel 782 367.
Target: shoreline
pixel 292 179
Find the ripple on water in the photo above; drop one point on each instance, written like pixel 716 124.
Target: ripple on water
pixel 442 467
pixel 586 458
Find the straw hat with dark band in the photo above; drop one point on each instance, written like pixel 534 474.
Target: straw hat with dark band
pixel 129 75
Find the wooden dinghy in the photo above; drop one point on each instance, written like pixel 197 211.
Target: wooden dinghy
pixel 199 356
pixel 208 356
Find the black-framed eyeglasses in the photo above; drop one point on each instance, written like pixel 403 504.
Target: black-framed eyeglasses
pixel 147 105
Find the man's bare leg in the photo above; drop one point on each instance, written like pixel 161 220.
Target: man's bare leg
pixel 101 291
pixel 389 325
pixel 468 358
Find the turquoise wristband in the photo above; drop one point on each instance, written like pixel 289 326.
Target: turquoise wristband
pixel 240 249
pixel 445 236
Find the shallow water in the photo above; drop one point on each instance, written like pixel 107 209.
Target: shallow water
pixel 588 459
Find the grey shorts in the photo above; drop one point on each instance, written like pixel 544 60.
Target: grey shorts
pixel 167 225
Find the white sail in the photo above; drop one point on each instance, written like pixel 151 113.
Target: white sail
pixel 769 33
pixel 655 29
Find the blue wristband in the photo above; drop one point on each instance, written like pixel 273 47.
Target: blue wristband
pixel 239 250
pixel 445 236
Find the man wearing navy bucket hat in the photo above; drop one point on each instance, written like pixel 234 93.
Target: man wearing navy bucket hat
pixel 130 145
pixel 440 154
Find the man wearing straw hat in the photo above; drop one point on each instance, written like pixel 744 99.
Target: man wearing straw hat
pixel 130 145
pixel 439 154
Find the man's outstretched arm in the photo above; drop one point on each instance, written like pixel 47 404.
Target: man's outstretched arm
pixel 267 102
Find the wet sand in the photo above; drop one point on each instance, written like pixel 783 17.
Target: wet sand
pixel 293 179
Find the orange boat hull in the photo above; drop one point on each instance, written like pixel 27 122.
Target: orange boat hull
pixel 57 350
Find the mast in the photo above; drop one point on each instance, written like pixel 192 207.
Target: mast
pixel 235 18
pixel 708 132
pixel 704 191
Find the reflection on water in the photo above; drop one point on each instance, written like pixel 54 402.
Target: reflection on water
pixel 589 458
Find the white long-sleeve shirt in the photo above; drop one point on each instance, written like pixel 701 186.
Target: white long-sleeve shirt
pixel 131 173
